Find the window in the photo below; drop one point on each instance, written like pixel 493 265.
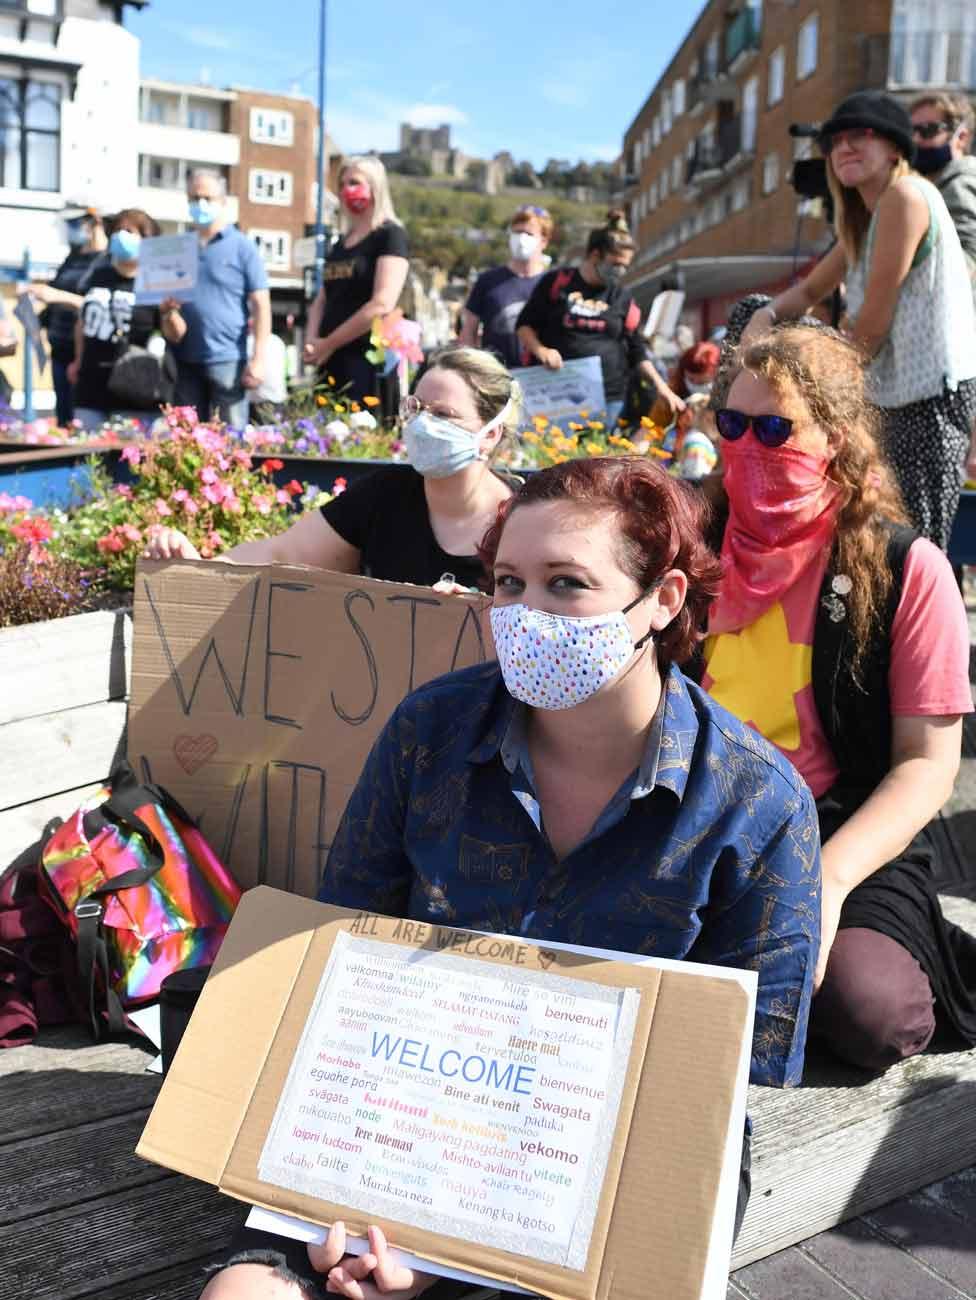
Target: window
pixel 30 134
pixel 275 247
pixel 664 185
pixel 653 198
pixel 638 157
pixel 203 116
pixel 740 194
pixel 678 97
pixel 269 187
pixel 806 47
pixel 272 127
pixel 655 132
pixel 776 76
pixel 770 175
pixel 750 113
pixel 665 112
pixel 711 58
pixel 647 142
pixel 676 171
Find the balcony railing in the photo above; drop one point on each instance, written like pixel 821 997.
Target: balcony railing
pixel 713 155
pixel 741 36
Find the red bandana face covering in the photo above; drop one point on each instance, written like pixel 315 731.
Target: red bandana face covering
pixel 782 514
pixel 355 197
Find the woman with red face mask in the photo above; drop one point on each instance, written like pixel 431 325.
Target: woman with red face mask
pixel 840 635
pixel 365 271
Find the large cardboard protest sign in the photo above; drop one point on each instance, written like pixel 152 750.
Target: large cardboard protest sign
pixel 540 1116
pixel 257 692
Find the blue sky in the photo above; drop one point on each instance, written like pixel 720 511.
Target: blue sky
pixel 542 80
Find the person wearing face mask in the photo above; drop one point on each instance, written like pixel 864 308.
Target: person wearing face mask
pixel 498 296
pixel 109 323
pixel 365 271
pixel 414 523
pixel 585 311
pixel 693 375
pixel 63 296
pixel 208 335
pixel 909 300
pixel 942 125
pixel 840 635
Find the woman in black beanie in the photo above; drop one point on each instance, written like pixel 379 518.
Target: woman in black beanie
pixel 910 305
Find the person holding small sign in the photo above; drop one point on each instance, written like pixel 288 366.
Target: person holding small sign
pixel 413 523
pixel 585 311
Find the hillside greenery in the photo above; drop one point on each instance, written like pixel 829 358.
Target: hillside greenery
pixel 459 230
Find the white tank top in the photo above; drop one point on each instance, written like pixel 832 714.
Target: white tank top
pixel 931 343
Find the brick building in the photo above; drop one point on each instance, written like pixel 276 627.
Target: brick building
pixel 707 161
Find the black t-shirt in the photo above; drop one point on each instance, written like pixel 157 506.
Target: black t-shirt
pixel 385 517
pixel 349 274
pixel 73 276
pixel 497 299
pixel 579 320
pixel 110 320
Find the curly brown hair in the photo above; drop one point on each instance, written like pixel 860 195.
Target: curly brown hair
pixel 826 372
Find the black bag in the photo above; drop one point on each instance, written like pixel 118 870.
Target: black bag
pixel 139 381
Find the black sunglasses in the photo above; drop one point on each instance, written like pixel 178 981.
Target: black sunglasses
pixel 771 430
pixel 929 130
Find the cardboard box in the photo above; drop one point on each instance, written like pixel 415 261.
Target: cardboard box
pixel 662 1222
pixel 258 690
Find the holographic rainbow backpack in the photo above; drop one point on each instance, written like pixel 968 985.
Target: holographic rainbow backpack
pixel 141 891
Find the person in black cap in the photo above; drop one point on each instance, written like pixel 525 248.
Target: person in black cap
pixel 910 308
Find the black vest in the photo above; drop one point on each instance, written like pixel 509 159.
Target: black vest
pixel 856 714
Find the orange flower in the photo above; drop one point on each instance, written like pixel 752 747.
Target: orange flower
pixel 354 406
pixel 319 399
pixel 371 401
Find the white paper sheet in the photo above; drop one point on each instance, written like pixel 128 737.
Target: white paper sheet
pixel 492 1122
pixel 576 387
pixel 147 1019
pixel 168 266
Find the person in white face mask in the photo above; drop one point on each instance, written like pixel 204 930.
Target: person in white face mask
pixel 419 522
pixel 499 294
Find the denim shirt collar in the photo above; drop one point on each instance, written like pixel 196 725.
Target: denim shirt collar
pixel 667 755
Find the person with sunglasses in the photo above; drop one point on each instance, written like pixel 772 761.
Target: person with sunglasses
pixel 840 635
pixel 942 125
pixel 910 308
pixel 499 294
pixel 420 522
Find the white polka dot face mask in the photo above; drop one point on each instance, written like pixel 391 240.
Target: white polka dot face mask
pixel 549 661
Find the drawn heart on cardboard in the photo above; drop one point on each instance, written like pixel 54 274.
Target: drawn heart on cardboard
pixel 191 752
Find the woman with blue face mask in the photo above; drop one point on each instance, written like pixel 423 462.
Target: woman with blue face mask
pixel 109 323
pixel 418 522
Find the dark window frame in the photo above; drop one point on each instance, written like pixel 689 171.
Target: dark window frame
pixel 24 85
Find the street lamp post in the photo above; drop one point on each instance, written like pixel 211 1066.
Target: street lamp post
pixel 320 190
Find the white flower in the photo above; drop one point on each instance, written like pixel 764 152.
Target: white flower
pixel 361 420
pixel 337 430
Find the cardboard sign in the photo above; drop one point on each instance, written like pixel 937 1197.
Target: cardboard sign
pixel 624 1187
pixel 577 386
pixel 257 693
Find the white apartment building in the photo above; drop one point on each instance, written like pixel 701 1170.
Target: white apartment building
pixel 180 128
pixel 69 94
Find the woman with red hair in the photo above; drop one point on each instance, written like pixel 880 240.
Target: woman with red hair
pixel 696 369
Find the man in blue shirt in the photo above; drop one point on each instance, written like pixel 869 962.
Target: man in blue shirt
pixel 709 851
pixel 208 334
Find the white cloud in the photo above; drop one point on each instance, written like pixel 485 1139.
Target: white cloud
pixel 364 120
pixel 566 94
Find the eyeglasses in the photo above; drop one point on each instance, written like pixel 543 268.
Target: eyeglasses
pixel 929 130
pixel 771 430
pixel 855 136
pixel 411 405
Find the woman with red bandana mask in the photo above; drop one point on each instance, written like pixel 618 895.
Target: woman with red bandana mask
pixel 839 634
pixel 365 271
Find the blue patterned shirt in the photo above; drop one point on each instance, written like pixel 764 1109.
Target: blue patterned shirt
pixel 709 851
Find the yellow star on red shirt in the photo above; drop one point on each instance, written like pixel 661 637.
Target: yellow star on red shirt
pixel 757 674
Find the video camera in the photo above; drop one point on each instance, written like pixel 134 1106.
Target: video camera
pixel 809 175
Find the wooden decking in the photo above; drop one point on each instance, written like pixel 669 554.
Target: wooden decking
pixel 80 1216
